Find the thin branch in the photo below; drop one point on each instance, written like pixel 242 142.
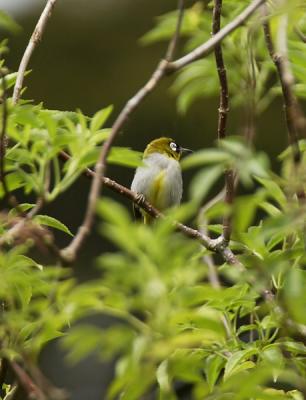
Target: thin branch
pixel 294 117
pixel 3 138
pixel 34 40
pixel 31 389
pixel 223 112
pixel 71 251
pixel 300 34
pixel 174 41
pixel 215 245
pixel 11 394
pixel 224 95
pixel 250 103
pixel 207 47
pixel 16 230
pixel 165 66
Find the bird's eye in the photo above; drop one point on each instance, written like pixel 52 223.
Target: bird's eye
pixel 173 146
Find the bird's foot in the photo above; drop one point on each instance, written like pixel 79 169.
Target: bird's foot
pixel 140 199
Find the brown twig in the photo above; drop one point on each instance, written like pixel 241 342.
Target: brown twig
pixel 3 138
pixel 70 252
pixel 294 117
pixel 223 112
pixel 34 40
pixel 165 66
pixel 31 389
pixel 224 95
pixel 209 45
pixel 215 245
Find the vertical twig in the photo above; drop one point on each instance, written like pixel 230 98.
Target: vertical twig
pixel 71 251
pixel 3 137
pixel 294 117
pixel 223 112
pixel 224 95
pixel 34 40
pixel 250 107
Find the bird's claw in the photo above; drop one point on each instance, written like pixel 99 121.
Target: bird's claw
pixel 140 199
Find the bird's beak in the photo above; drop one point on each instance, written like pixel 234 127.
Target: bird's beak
pixel 183 150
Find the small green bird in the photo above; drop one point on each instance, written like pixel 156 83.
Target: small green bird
pixel 159 179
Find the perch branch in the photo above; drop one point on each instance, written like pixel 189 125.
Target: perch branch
pixel 209 45
pixel 294 117
pixel 70 252
pixel 165 66
pixel 215 245
pixel 223 112
pixel 34 40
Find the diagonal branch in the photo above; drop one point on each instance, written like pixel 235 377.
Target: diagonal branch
pixel 208 46
pixel 215 245
pixel 165 66
pixel 300 34
pixel 71 251
pixel 223 112
pixel 34 40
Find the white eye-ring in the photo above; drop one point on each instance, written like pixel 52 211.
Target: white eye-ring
pixel 173 146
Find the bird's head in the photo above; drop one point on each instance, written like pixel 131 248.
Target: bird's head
pixel 165 146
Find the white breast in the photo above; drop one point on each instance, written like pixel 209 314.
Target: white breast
pixel 159 165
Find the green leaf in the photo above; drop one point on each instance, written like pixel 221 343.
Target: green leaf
pixel 21 207
pixel 164 382
pixel 203 182
pixel 52 222
pixel 237 363
pixel 8 23
pixel 13 181
pixel 99 119
pixel 295 294
pixel 273 189
pixel 213 367
pixel 203 157
pixel 125 156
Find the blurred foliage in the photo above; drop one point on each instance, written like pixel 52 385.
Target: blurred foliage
pixel 251 77
pixel 174 328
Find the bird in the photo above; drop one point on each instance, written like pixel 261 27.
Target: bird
pixel 159 179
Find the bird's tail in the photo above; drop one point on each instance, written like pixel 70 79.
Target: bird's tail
pixel 147 219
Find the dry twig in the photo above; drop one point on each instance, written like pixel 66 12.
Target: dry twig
pixel 34 40
pixel 3 138
pixel 215 245
pixel 223 112
pixel 294 117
